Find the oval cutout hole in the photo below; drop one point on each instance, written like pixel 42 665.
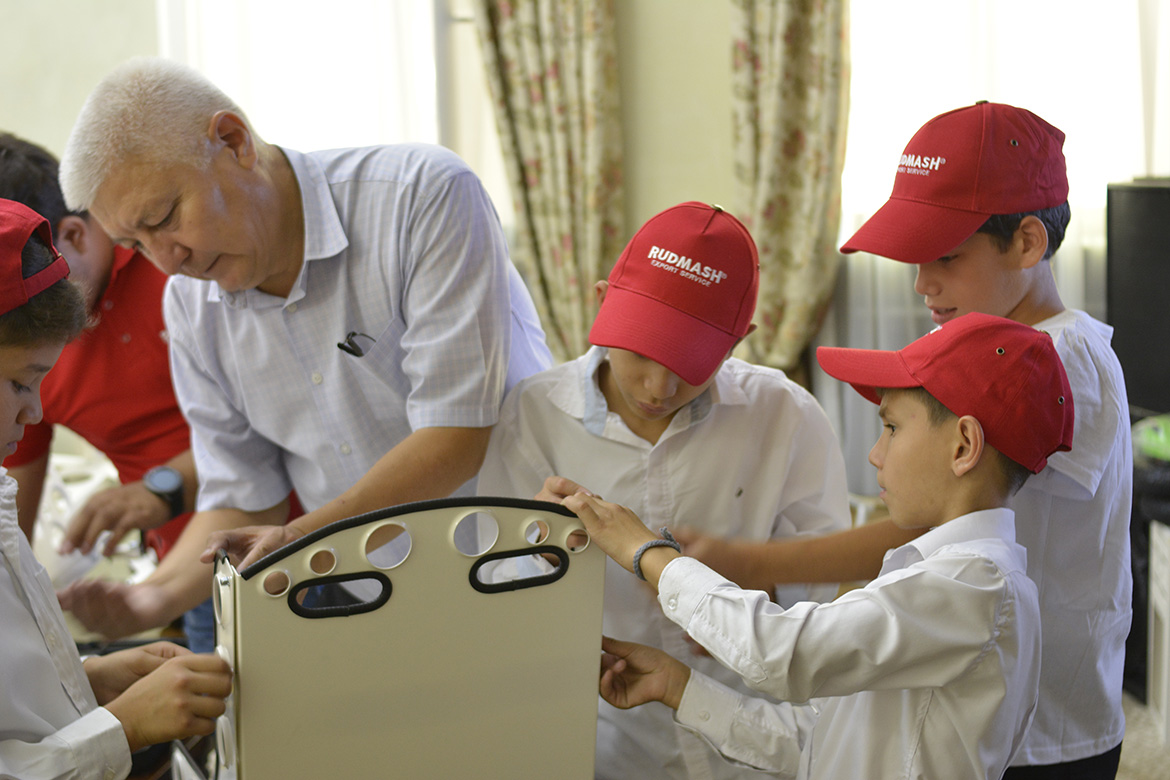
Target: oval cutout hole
pixel 340 595
pixel 323 562
pixel 387 546
pixel 578 540
pixel 510 570
pixel 536 532
pixel 276 583
pixel 476 533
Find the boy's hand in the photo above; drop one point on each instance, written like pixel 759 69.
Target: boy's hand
pixel 179 699
pixel 245 546
pixel 633 674
pixel 613 528
pixel 731 558
pixel 110 675
pixel 556 489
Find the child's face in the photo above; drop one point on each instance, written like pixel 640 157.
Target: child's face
pixel 912 458
pixel 21 371
pixel 973 277
pixel 647 390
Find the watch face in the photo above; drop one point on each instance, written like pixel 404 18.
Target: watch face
pixel 163 479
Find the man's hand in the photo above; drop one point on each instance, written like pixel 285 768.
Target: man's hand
pixel 115 609
pixel 245 546
pixel 110 675
pixel 117 510
pixel 633 674
pixel 179 699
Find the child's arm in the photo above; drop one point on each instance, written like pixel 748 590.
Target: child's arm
pixel 620 534
pixel 854 554
pixel 633 674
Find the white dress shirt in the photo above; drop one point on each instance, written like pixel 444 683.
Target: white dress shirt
pixel 50 724
pixel 753 457
pixel 930 671
pixel 1073 518
pixel 403 247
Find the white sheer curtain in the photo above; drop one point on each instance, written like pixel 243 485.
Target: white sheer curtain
pixel 1075 63
pixel 314 75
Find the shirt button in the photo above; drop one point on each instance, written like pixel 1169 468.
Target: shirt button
pixel 345 449
pixel 317 378
pixel 672 602
pixel 291 308
pixel 704 716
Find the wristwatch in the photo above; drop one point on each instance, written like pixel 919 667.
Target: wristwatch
pixel 167 484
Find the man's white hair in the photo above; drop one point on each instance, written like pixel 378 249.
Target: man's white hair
pixel 147 110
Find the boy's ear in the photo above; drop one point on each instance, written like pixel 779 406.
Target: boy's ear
pixel 228 130
pixel 1033 239
pixel 968 445
pixel 72 233
pixel 599 291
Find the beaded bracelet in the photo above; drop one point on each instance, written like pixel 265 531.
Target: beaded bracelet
pixel 666 541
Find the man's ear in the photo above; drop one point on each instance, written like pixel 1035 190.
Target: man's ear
pixel 228 130
pixel 72 232
pixel 1033 241
pixel 968 445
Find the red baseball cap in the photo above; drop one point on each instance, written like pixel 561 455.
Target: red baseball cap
pixel 959 169
pixel 683 291
pixel 17 224
pixel 1006 375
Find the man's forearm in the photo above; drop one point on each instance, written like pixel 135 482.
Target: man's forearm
pixel 429 463
pixel 185 581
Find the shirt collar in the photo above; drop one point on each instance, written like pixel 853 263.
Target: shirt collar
pixel 324 234
pixel 579 395
pixel 986 524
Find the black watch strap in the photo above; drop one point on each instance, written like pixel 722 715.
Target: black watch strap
pixel 166 483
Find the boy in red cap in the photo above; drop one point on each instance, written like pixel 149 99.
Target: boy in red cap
pixel 932 669
pixel 656 416
pixel 979 205
pixel 58 716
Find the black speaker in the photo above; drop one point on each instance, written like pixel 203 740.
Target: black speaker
pixel 1137 298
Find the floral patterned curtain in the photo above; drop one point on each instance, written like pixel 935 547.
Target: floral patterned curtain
pixel 790 88
pixel 552 72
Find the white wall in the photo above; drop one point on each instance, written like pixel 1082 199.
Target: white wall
pixel 56 51
pixel 674 61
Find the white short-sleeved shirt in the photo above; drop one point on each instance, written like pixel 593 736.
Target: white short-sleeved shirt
pixel 931 670
pixel 753 457
pixel 402 246
pixel 1073 518
pixel 50 725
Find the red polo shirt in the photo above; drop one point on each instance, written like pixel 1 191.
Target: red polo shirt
pixel 112 385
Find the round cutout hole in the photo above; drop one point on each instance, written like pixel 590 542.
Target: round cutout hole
pixel 276 583
pixel 323 562
pixel 476 533
pixel 578 540
pixel 536 532
pixel 387 546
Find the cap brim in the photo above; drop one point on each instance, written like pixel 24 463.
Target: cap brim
pixel 685 345
pixel 866 369
pixel 914 232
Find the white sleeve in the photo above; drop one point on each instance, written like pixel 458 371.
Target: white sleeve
pixel 745 730
pixel 92 747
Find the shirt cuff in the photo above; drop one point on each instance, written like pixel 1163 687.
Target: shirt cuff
pixel 99 742
pixel 683 585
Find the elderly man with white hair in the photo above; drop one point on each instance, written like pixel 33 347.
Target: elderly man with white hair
pixel 343 324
